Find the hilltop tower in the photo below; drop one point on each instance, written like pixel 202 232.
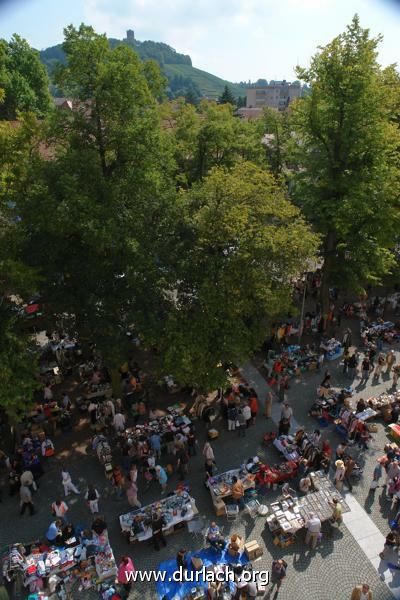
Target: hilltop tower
pixel 130 35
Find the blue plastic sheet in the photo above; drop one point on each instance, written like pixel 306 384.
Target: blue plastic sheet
pixel 169 589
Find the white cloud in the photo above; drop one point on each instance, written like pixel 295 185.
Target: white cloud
pixel 235 39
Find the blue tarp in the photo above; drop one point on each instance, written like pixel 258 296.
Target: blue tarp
pixel 169 589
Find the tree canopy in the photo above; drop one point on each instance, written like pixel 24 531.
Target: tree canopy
pixel 244 242
pixel 348 184
pixel 24 84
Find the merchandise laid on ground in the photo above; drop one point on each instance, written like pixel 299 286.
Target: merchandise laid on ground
pixel 289 515
pixel 201 563
pixel 295 360
pixel 46 569
pixel 220 486
pixel 176 510
pixel 174 423
pixel 333 349
pixel 383 403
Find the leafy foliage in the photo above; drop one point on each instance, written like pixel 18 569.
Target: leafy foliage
pixel 24 84
pixel 348 182
pixel 243 243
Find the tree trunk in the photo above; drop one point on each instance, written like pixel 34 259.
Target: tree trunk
pixel 329 258
pixel 116 382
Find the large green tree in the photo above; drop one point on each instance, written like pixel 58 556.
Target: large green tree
pixel 18 358
pixel 347 147
pixel 241 244
pixel 94 208
pixel 24 84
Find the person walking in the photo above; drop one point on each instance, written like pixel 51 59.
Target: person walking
pixel 313 530
pixel 26 500
pixel 119 423
pixel 67 482
pixel 352 364
pixel 390 361
pixel 278 573
pixel 396 372
pixel 124 576
pixel 117 479
pixel 349 465
pixel 286 412
pixel 155 444
pixel 379 366
pixel 59 509
pixel 162 478
pixel 182 464
pixel 208 452
pixel 339 475
pixel 232 415
pixel 92 496
pixel 157 524
pixel 28 480
pixel 192 442
pixel 242 423
pixel 253 403
pixel 131 494
pixel 247 413
pixel 365 369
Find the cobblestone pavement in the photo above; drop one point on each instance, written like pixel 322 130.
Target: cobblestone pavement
pixel 328 573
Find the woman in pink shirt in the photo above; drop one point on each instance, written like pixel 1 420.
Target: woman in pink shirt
pixel 125 568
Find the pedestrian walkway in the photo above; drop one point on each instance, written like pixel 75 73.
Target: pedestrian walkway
pixel 257 381
pixel 358 522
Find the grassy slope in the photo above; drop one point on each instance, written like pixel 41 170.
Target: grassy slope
pixel 209 85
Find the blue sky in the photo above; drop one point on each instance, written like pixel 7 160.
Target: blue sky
pixel 235 39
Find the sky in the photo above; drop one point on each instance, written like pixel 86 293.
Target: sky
pixel 238 40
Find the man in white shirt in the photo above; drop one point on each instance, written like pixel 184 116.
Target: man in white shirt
pixel 313 530
pixel 287 411
pixel 119 422
pixel 246 410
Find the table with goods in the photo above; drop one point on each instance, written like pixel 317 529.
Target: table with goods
pixel 176 510
pixel 289 515
pixel 220 486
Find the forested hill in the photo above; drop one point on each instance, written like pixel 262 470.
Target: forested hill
pixel 183 78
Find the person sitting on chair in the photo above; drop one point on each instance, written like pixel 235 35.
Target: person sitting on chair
pixel 214 536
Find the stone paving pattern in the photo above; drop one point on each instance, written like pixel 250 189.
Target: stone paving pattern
pixel 328 573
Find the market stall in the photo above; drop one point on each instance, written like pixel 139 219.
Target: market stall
pixel 177 510
pixel 43 568
pixel 289 515
pixel 197 584
pixel 220 486
pixel 286 445
pixel 273 475
pixel 295 360
pixel 174 422
pixel 383 404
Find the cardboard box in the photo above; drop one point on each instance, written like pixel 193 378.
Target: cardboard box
pixel 253 550
pixel 213 434
pixel 219 507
